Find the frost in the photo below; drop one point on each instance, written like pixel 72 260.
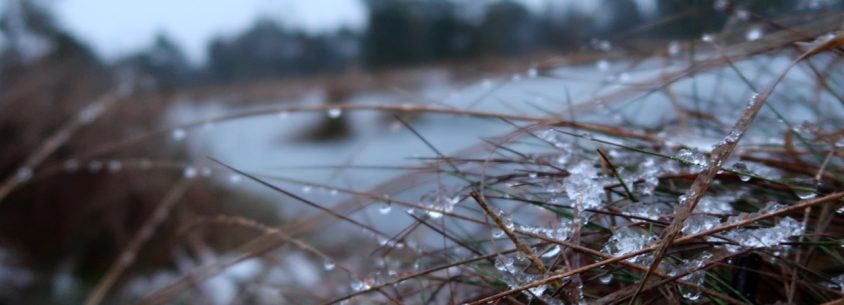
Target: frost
pixel 651 211
pixel 360 285
pixel 649 173
pixel 515 277
pixel 700 223
pixel 561 232
pixel 440 201
pixel 765 237
pixel 582 186
pixel 627 240
pixel 696 277
pixel 694 158
pixel 715 204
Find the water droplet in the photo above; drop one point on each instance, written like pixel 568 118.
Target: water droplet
pixel 145 164
pixel 95 166
pixel 205 171
pixel 71 165
pixel 707 37
pixel 552 252
pixel 606 279
pixel 603 65
pixel 435 214
pixel 497 233
pixel 178 134
pixel 805 194
pixel 334 113
pixel 742 14
pixel 189 172
pixel 359 285
pixel 23 174
pixel 235 178
pixel 306 189
pixel 114 166
pixel 673 48
pixel 385 208
pixel 753 34
pixel 328 265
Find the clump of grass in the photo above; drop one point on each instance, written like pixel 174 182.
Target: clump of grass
pixel 733 196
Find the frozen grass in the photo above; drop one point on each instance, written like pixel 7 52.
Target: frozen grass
pixel 733 197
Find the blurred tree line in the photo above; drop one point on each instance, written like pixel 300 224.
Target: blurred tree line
pixel 398 33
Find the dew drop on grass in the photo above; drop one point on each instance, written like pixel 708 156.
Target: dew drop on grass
pixel 359 285
pixel 23 174
pixel 497 233
pixel 707 37
pixel 606 279
pixel 328 265
pixel 435 214
pixel 334 113
pixel 805 194
pixel 189 172
pixel 552 252
pixel 385 208
pixel 692 157
pixel 178 134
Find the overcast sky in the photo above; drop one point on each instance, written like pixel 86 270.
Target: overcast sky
pixel 118 27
